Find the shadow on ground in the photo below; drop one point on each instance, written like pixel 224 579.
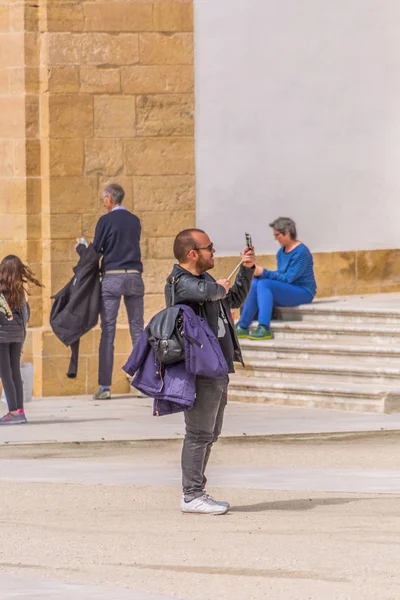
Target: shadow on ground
pixel 300 504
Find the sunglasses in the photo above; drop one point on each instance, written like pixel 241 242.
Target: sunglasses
pixel 209 248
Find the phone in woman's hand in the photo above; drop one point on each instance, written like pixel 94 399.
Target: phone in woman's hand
pixel 249 243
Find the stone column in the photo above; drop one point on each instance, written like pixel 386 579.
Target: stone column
pixel 116 104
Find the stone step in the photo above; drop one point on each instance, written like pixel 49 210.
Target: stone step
pixel 355 333
pixel 322 371
pixel 344 310
pixel 344 396
pixel 306 349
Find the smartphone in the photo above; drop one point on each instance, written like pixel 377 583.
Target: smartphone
pixel 249 243
pixel 82 241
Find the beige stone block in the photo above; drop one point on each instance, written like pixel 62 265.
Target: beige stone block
pixel 66 157
pixel 118 16
pixel 4 80
pixel 89 224
pixel 31 17
pixel 33 195
pixel 159 156
pixel 173 16
pixel 60 250
pixel 54 379
pixel 158 79
pixel 33 159
pixel 62 273
pixel 176 192
pixel 166 49
pixel 165 115
pixel 20 80
pixel 67 226
pixel 12 196
pixel 73 195
pixel 4 18
pixel 103 156
pixel 153 303
pixel 32 116
pixel 333 269
pixel 16 16
pixel 32 49
pixel 13 227
pixel 34 227
pixel 161 247
pixel 167 223
pixel 12 116
pixel 91 49
pixel 7 163
pixel 17 247
pixel 370 265
pixel 71 115
pixel 53 347
pixel 34 252
pixel 63 80
pixel 155 272
pixel 114 116
pixel 12 50
pixel 99 80
pixel 61 16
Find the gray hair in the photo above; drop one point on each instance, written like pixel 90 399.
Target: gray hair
pixel 284 225
pixel 115 191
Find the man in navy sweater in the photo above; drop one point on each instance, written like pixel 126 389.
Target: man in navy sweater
pixel 117 238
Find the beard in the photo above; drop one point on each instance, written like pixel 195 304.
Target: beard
pixel 205 264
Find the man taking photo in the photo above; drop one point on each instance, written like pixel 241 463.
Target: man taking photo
pixel 117 239
pixel 212 300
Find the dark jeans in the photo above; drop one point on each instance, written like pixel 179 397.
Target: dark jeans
pixel 10 373
pixel 203 427
pixel 113 288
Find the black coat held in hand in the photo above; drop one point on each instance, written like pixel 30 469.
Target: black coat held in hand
pixel 76 307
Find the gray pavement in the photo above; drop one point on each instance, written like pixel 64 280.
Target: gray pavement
pixel 81 419
pixel 27 588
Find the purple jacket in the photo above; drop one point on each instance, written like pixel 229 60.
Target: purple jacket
pixel 174 387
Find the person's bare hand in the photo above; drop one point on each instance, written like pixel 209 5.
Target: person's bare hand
pixel 225 284
pixel 248 257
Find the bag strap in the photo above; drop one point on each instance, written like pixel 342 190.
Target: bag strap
pixel 173 281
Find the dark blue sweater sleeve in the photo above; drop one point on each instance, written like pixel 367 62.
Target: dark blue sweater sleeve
pixel 99 237
pixel 298 266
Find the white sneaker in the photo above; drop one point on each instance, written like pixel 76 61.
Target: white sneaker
pixel 203 505
pixel 221 502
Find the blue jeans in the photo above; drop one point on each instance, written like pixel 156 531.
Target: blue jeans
pixel 267 293
pixel 113 288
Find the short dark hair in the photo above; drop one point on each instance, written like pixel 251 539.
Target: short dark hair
pixel 184 242
pixel 284 225
pixel 115 191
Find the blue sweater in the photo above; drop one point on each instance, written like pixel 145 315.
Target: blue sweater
pixel 295 267
pixel 117 238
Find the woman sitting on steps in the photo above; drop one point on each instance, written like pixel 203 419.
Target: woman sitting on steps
pixel 292 284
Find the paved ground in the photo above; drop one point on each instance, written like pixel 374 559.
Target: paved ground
pixel 310 519
pixel 128 418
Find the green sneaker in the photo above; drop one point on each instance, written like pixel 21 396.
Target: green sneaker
pixel 241 332
pixel 261 333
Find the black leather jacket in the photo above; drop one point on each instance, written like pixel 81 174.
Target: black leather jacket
pixel 206 297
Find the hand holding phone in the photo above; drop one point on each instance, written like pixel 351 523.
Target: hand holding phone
pixel 249 242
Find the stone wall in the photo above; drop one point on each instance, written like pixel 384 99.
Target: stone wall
pixel 96 91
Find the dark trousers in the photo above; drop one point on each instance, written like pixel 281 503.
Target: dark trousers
pixel 10 373
pixel 203 427
pixel 113 288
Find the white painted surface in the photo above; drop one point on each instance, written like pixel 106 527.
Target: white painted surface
pixel 298 114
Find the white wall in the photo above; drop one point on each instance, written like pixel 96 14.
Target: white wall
pixel 298 114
